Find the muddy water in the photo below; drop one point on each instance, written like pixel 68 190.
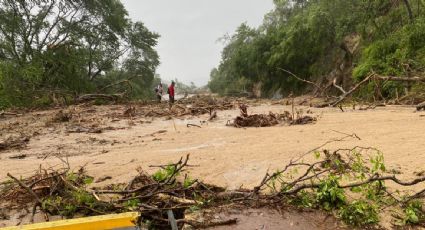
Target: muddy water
pixel 225 156
pixel 264 219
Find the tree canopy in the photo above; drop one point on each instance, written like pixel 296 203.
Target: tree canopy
pixel 318 39
pixel 71 47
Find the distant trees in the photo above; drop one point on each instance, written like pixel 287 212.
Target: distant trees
pixel 71 47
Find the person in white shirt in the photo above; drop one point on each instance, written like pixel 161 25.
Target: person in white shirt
pixel 159 91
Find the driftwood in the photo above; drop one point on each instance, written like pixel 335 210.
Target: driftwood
pixel 420 106
pixel 81 129
pixel 347 93
pixel 3 114
pixel 213 116
pixel 271 119
pixel 14 143
pixel 405 79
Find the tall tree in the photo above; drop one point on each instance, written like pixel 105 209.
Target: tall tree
pixel 73 44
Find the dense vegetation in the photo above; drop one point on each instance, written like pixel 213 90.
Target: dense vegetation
pixel 320 40
pixel 59 49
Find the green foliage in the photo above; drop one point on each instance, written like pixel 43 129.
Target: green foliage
pixel 304 199
pixel 51 49
pixel 188 182
pixel 163 174
pixel 308 39
pixel 359 213
pixel 132 205
pixel 414 213
pixel 378 164
pixel 329 195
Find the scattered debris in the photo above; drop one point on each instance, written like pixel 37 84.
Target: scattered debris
pixel 420 106
pixel 166 194
pixel 62 116
pixel 193 125
pixel 66 193
pixel 14 143
pixel 92 97
pixel 197 105
pixel 213 116
pixel 271 119
pixel 20 156
pixel 3 114
pixel 130 112
pixel 81 129
pixel 104 178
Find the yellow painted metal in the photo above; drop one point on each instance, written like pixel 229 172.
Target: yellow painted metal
pixel 112 221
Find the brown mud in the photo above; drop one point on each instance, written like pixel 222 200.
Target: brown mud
pixel 112 144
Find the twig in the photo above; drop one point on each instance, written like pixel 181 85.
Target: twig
pixel 352 90
pixel 200 225
pixel 353 135
pixel 172 220
pixel 303 80
pixel 189 125
pixel 338 87
pixel 373 178
pixel 30 191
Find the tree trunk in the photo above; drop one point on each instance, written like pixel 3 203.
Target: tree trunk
pixel 409 9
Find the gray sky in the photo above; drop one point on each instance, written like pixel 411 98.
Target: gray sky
pixel 189 30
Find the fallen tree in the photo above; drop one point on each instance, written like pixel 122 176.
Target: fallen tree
pixel 372 76
pixel 91 97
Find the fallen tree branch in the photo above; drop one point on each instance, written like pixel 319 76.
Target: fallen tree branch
pixel 126 81
pixel 90 97
pixel 190 125
pixel 303 80
pixel 338 87
pixel 358 184
pixel 29 190
pixel 210 224
pixel 405 79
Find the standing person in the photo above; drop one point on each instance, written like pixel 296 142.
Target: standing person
pixel 159 91
pixel 171 92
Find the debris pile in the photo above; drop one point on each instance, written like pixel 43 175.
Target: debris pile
pixel 167 195
pixel 62 116
pixel 271 119
pixel 67 194
pixel 13 142
pixel 194 106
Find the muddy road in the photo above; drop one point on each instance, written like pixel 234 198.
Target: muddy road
pixel 222 155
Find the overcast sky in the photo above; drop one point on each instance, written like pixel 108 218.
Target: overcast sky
pixel 189 30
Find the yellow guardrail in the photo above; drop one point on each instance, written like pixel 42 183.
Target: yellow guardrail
pixel 112 221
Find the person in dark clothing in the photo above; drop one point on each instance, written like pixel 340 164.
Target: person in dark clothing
pixel 171 92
